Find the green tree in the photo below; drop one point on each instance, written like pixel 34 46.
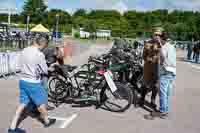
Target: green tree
pixel 79 18
pixel 91 28
pixel 80 12
pixel 3 17
pixel 36 9
pixel 181 25
pixel 64 20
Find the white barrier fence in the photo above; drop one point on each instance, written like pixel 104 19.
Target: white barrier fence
pixel 9 63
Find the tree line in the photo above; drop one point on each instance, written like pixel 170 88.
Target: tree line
pixel 181 25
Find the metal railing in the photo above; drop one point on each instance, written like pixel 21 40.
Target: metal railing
pixel 13 45
pixel 9 64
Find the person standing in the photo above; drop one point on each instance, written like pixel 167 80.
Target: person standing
pixel 53 57
pixel 194 51
pixel 197 52
pixel 189 49
pixel 151 56
pixel 167 76
pixel 50 55
pixel 33 66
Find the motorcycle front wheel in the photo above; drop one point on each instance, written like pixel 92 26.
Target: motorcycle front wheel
pixel 120 100
pixel 58 89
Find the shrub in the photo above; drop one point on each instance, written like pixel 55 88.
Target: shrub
pixel 77 35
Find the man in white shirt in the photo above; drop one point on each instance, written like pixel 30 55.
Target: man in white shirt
pixel 33 66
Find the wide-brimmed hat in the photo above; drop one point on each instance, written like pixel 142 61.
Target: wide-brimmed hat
pixel 158 30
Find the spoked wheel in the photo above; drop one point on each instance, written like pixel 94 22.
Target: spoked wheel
pixel 120 100
pixel 58 90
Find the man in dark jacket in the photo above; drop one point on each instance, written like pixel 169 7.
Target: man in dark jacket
pixel 50 55
pixel 194 51
pixel 151 56
pixel 167 77
pixel 197 53
pixel 189 49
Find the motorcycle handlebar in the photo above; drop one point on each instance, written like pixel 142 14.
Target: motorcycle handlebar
pixel 93 59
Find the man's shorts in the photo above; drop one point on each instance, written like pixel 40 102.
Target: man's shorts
pixel 32 92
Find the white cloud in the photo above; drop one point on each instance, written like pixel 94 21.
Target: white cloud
pixel 98 4
pixel 120 6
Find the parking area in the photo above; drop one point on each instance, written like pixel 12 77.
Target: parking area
pixel 184 115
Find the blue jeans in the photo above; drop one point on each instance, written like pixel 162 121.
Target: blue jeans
pixel 197 57
pixel 166 84
pixel 189 54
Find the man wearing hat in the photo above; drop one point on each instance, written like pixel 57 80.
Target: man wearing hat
pixel 151 69
pixel 167 73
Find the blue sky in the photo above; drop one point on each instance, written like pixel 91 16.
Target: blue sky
pixel 7 3
pixel 142 5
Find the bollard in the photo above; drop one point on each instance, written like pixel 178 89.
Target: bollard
pixel 8 62
pixel 4 65
pixel 17 62
pixel 1 70
pixel 12 63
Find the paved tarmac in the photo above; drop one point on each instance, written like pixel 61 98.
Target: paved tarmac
pixel 184 116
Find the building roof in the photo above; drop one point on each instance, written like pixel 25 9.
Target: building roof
pixel 104 30
pixel 98 30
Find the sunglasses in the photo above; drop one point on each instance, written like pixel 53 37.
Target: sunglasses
pixel 158 35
